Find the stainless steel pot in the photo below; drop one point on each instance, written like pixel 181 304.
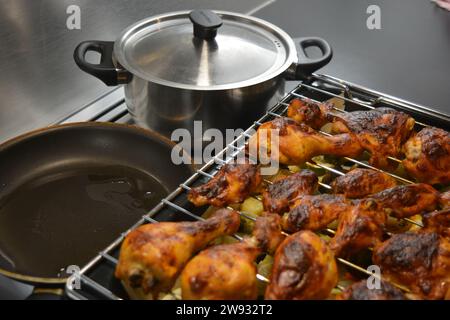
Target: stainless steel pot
pixel 222 68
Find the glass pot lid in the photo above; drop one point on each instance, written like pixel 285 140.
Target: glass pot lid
pixel 205 50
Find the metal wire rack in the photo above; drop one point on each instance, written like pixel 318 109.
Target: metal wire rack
pixel 97 280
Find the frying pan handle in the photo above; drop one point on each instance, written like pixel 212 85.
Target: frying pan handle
pixel 306 65
pixel 106 71
pixel 47 294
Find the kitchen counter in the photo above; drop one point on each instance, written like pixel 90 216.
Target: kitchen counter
pixel 41 85
pixel 409 57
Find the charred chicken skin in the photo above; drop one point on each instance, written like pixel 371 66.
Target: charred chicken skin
pixel 276 197
pixel 380 131
pixel 438 221
pixel 267 232
pixel 228 272
pixel 222 272
pixel 153 255
pixel 314 212
pixel 359 228
pixel 408 200
pixel 360 291
pixel 444 200
pixel 418 260
pixel 232 184
pixel 310 113
pixel 359 183
pixel 304 268
pixel 298 143
pixel 427 156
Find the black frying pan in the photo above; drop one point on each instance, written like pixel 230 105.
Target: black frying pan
pixel 67 191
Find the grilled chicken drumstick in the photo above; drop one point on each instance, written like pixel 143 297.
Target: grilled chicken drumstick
pixel 381 131
pixel 153 255
pixel 444 200
pixel 438 221
pixel 408 200
pixel 267 232
pixel 232 184
pixel 359 183
pixel 428 156
pixel 308 112
pixel 304 268
pixel 228 271
pixel 360 291
pixel 359 228
pixel 418 260
pixel 314 212
pixel 222 272
pixel 401 201
pixel 298 143
pixel 276 197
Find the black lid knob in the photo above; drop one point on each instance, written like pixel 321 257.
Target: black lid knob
pixel 206 23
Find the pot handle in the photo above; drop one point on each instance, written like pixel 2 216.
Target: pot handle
pixel 106 70
pixel 306 65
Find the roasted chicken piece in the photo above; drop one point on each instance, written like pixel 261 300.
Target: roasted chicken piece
pixel 222 272
pixel 304 268
pixel 232 184
pixel 310 113
pixel 276 197
pixel 359 228
pixel 267 232
pixel 360 291
pixel 228 271
pixel 438 221
pixel 153 255
pixel 408 200
pixel 314 212
pixel 418 260
pixel 359 183
pixel 444 200
pixel 381 131
pixel 298 143
pixel 428 156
